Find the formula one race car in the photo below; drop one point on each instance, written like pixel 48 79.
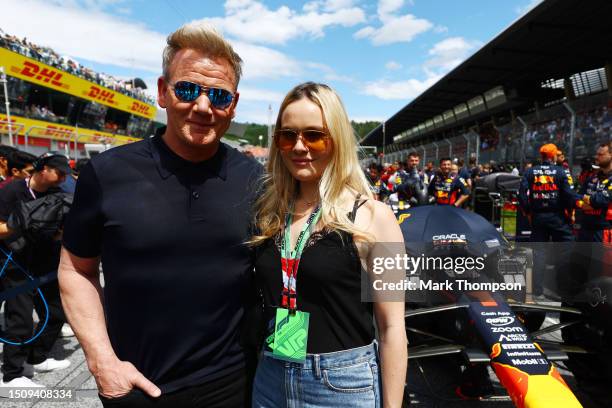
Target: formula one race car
pixel 478 312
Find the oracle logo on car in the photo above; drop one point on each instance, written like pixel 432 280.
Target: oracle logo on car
pixel 500 321
pixel 448 237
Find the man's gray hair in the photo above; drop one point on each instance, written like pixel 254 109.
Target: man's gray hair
pixel 204 38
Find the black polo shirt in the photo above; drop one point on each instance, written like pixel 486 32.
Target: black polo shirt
pixel 171 237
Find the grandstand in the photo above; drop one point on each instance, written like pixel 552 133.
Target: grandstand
pixel 544 79
pixel 57 104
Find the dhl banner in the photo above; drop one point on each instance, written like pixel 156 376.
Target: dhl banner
pixel 30 70
pixel 48 130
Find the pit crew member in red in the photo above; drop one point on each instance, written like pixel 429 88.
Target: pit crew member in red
pixel 446 188
pixel 596 202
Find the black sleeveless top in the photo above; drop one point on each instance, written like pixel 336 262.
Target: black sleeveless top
pixel 328 287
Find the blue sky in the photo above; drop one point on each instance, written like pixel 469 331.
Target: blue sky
pixel 378 55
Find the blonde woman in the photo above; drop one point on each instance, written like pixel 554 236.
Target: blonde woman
pixel 316 206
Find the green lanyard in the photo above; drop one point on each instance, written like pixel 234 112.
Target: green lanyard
pixel 290 259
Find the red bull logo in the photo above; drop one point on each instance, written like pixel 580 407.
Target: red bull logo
pixel 544 179
pixel 544 183
pixel 495 351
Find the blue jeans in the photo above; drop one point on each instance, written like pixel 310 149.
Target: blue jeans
pixel 347 378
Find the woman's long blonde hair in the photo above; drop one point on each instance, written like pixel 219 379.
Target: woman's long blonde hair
pixel 342 179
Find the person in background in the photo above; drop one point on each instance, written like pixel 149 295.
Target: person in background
pixel 399 176
pixel 562 162
pixel 464 172
pixel 69 185
pixel 430 171
pixel 39 259
pixel 475 169
pixel 413 174
pixel 592 370
pixel 595 200
pixel 586 171
pixel 544 195
pixel 19 165
pixel 5 151
pixel 454 170
pixel 373 177
pixel 446 188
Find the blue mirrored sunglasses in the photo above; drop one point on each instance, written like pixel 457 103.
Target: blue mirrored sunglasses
pixel 187 91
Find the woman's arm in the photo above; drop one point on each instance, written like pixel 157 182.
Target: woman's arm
pixel 378 220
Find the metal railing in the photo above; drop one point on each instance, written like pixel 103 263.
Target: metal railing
pixel 576 127
pixel 60 136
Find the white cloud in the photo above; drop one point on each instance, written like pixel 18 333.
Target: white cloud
pixel 264 62
pixel 443 56
pixel 386 8
pixel 406 90
pixel 334 5
pixel 395 29
pixel 85 33
pixel 440 29
pixel 125 43
pixel 521 10
pixel 393 65
pixel 329 74
pixel 447 54
pixel 253 21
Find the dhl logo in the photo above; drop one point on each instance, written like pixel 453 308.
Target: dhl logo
pixel 101 95
pixel 140 108
pixel 4 124
pixel 46 75
pixel 58 132
pixel 99 138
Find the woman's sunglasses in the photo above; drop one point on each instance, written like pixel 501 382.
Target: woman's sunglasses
pixel 187 91
pixel 315 140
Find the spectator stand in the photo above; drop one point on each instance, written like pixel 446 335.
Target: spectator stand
pixel 532 84
pixel 9 132
pixel 38 132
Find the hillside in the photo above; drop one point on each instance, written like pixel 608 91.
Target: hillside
pixel 253 130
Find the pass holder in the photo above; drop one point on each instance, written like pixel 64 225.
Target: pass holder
pixel 290 335
pixel 289 340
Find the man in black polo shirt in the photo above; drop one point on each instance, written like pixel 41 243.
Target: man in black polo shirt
pixel 168 217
